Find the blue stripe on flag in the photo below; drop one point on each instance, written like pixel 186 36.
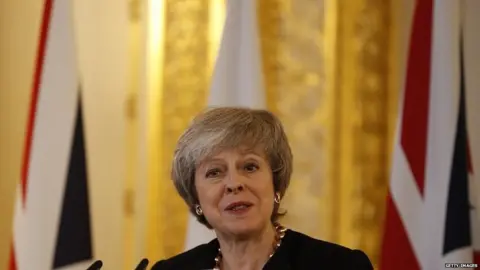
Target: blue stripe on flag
pixel 74 241
pixel 457 227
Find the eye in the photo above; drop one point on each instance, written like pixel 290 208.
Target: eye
pixel 212 173
pixel 251 167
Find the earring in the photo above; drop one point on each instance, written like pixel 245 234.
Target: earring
pixel 198 210
pixel 277 197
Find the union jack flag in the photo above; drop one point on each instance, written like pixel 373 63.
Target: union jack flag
pixel 432 204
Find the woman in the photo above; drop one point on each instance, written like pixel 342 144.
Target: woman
pixel 232 167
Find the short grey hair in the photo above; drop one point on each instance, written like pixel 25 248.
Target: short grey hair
pixel 221 128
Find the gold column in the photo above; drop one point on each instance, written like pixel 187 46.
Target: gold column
pixel 217 15
pixel 363 83
pixel 180 95
pixel 293 45
pixel 155 54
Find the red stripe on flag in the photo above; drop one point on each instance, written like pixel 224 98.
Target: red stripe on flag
pixel 417 91
pixel 397 251
pixel 469 158
pixel 13 263
pixel 34 98
pixel 476 253
pixel 476 257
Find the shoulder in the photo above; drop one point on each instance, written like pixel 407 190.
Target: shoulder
pixel 310 251
pixel 200 257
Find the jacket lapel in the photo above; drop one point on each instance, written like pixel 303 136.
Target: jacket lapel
pixel 281 260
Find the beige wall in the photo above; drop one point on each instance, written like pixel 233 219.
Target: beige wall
pixel 19 27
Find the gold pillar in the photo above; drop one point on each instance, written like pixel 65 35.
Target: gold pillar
pixel 155 53
pixel 180 95
pixel 293 48
pixel 363 37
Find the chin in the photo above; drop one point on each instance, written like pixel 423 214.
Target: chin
pixel 244 227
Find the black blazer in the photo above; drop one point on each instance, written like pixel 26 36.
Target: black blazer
pixel 297 252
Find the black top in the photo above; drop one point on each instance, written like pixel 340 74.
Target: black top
pixel 297 251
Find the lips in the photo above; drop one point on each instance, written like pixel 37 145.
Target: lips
pixel 237 206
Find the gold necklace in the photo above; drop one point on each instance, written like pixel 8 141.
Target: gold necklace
pixel 279 234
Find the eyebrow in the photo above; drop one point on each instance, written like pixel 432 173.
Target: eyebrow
pixel 210 160
pixel 243 153
pixel 250 150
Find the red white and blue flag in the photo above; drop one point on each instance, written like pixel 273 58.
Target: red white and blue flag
pixel 432 204
pixel 52 227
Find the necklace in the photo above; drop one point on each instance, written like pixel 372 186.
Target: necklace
pixel 279 234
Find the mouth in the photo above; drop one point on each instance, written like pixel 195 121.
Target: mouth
pixel 238 206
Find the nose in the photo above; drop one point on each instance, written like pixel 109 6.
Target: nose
pixel 234 188
pixel 233 184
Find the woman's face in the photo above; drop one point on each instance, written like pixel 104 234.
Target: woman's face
pixel 235 190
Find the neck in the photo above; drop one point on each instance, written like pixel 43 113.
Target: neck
pixel 249 253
